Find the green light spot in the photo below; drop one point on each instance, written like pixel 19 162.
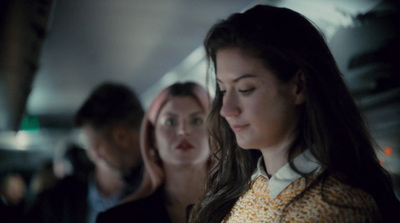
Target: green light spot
pixel 30 123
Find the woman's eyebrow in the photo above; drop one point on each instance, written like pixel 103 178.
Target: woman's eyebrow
pixel 170 114
pixel 240 78
pixel 199 112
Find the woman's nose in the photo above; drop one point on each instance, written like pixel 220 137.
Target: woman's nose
pixel 183 129
pixel 229 106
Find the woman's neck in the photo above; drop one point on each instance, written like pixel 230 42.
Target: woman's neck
pixel 276 157
pixel 183 186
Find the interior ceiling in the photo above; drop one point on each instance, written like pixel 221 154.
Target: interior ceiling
pixel 140 42
pixel 131 41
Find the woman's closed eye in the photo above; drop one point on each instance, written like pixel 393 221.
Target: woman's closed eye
pixel 247 91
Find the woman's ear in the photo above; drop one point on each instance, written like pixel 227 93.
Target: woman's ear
pixel 300 87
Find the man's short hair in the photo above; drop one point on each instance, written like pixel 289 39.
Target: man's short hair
pixel 110 104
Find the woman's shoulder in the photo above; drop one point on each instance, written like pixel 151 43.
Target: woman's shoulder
pixel 333 200
pixel 337 191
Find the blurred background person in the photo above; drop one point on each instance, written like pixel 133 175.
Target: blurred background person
pixel 174 146
pixel 65 201
pixel 69 159
pixel 43 179
pixel 105 189
pixel 85 186
pixel 110 120
pixel 12 197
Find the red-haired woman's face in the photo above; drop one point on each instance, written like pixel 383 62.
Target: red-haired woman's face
pixel 180 133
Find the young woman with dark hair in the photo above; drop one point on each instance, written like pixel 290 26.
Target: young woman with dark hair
pixel 290 142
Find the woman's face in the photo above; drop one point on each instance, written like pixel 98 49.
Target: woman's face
pixel 180 132
pixel 260 111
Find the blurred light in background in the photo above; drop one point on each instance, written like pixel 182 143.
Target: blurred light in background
pixel 30 123
pixel 388 151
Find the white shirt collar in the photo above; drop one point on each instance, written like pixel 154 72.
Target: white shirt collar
pixel 305 162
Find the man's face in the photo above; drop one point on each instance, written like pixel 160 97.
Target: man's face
pixel 103 147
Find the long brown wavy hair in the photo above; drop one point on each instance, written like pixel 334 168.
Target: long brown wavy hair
pixel 331 125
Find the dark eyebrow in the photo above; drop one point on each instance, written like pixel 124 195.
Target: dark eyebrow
pixel 197 113
pixel 241 77
pixel 170 114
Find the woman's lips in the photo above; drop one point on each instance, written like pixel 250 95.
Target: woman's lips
pixel 238 128
pixel 184 145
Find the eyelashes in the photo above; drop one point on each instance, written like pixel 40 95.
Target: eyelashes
pixel 247 91
pixel 243 92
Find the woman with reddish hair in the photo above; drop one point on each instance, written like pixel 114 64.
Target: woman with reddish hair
pixel 175 150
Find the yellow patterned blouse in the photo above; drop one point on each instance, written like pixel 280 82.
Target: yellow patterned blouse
pixel 267 199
